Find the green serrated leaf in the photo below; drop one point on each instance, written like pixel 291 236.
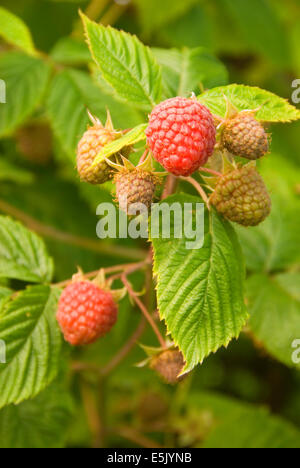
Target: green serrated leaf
pixel 71 94
pixel 200 292
pixel 26 80
pixel 126 64
pixel 131 138
pixel 30 332
pixel 14 31
pixel 274 244
pixel 186 71
pixel 22 426
pixel 272 108
pixel 274 304
pixel 23 254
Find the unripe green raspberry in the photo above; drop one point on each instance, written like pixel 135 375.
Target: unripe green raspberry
pixel 241 196
pixel 135 187
pixel 90 145
pixel 244 136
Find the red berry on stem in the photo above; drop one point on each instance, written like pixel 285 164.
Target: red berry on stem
pixel 86 312
pixel 181 135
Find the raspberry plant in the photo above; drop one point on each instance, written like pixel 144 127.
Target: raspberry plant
pixel 167 128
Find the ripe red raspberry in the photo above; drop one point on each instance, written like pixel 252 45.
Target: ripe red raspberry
pixel 181 135
pixel 85 312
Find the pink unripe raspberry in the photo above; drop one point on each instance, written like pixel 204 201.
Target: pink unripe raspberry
pixel 85 313
pixel 181 135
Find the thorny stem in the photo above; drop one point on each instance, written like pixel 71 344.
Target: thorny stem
pixel 66 238
pixel 143 309
pixel 198 188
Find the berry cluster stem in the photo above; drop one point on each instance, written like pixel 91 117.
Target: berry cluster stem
pixel 117 269
pixel 143 309
pixel 210 171
pixel 198 188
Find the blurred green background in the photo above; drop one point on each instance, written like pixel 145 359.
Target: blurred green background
pixel 258 41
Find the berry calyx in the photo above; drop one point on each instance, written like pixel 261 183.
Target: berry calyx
pixel 169 364
pixel 90 145
pixel 242 197
pixel 244 136
pixel 86 312
pixel 181 135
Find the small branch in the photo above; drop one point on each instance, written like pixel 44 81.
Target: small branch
pixel 210 171
pixel 143 309
pixel 66 238
pixel 113 14
pixel 133 435
pixel 143 157
pixel 92 414
pixel 170 186
pixel 95 8
pixel 198 188
pixel 118 358
pixel 128 268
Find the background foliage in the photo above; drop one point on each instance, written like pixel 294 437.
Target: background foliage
pixel 245 396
